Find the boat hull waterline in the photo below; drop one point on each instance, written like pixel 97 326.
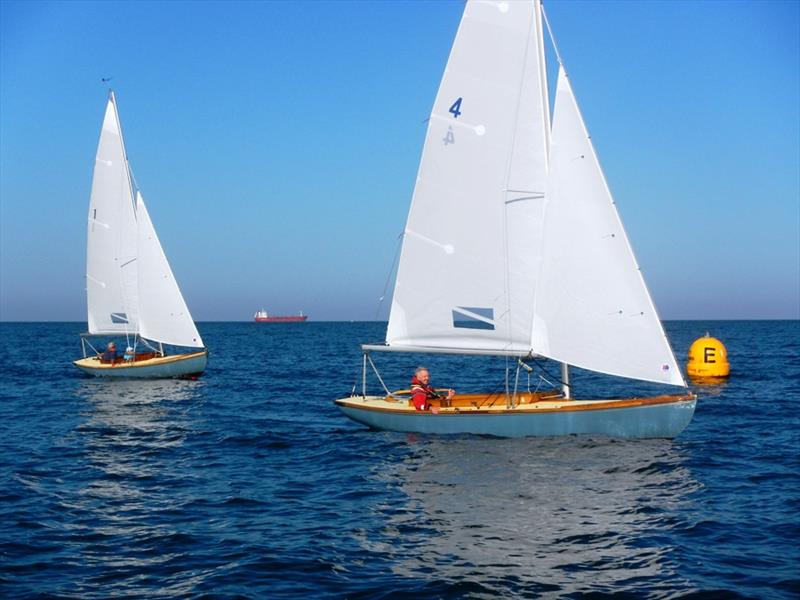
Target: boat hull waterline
pixel 657 417
pixel 161 367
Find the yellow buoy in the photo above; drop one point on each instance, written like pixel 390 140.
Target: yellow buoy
pixel 708 358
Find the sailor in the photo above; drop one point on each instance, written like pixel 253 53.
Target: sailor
pixel 129 355
pixel 110 355
pixel 422 392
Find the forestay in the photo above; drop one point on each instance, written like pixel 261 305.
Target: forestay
pixel 592 307
pixel 467 270
pixel 163 314
pixel 111 271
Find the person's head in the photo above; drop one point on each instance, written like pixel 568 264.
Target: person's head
pixel 128 350
pixel 112 346
pixel 422 375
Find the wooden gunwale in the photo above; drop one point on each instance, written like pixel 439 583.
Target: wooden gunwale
pixel 540 406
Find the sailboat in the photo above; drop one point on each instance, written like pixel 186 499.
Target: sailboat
pixel 513 247
pixel 131 291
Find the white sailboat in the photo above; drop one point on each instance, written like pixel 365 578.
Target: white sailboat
pixel 131 291
pixel 513 247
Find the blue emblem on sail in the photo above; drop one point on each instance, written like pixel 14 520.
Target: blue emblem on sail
pixel 119 318
pixel 468 317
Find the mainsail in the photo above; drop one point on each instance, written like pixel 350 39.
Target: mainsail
pixel 111 273
pixel 513 243
pixel 467 269
pixel 163 315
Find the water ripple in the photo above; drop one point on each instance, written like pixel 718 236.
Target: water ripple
pixel 248 483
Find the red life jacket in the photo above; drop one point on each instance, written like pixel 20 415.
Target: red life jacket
pixel 421 394
pixel 420 388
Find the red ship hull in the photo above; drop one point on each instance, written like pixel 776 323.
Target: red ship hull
pixel 293 319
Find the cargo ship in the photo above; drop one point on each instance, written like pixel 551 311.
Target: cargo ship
pixel 261 316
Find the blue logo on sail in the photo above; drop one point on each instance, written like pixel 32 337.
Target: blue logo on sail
pixel 469 317
pixel 119 318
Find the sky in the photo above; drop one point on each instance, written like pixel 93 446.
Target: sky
pixel 277 144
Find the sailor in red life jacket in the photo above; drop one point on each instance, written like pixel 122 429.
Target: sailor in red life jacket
pixel 422 393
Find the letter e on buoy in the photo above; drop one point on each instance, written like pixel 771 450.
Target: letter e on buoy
pixel 707 358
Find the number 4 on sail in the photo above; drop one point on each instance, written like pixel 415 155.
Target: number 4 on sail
pixel 131 292
pixel 535 261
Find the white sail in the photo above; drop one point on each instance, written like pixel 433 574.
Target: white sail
pixel 467 270
pixel 592 307
pixel 111 270
pixel 163 314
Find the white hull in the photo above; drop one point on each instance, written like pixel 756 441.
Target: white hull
pixel 165 367
pixel 660 417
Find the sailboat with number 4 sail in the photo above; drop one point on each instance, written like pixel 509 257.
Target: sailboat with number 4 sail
pixel 523 253
pixel 131 291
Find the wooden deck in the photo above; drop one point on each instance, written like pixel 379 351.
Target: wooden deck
pixel 494 403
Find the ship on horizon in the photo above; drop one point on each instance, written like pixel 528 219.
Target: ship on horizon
pixel 261 316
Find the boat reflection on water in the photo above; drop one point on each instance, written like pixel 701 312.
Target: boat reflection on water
pixel 131 428
pixel 132 435
pixel 138 406
pixel 549 515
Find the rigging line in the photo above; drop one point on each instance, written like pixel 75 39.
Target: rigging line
pixel 134 183
pixel 556 379
pixel 125 306
pixel 552 37
pixel 392 268
pixel 364 377
pixel 499 388
pixel 96 351
pixel 146 343
pixel 378 375
pixel 516 384
pixel 538 383
pixel 508 400
pixel 355 383
pixel 131 180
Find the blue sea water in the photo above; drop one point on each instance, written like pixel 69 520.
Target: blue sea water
pixel 249 483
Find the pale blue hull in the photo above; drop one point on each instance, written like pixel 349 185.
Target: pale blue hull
pixel 658 421
pixel 182 367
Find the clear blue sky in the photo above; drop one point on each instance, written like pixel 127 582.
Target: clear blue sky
pixel 277 144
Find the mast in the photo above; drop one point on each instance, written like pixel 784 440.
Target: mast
pixel 566 388
pixel 539 16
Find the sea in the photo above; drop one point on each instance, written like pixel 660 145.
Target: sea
pixel 250 483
